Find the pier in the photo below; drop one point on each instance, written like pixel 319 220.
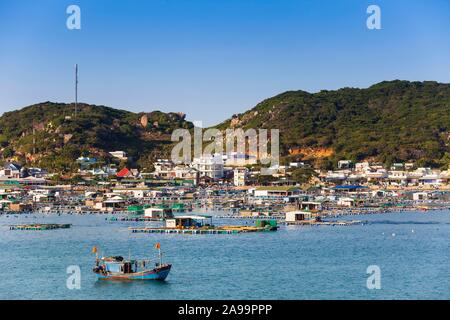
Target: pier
pixel 135 219
pixel 39 227
pixel 324 223
pixel 214 230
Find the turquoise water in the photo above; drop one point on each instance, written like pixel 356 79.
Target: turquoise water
pixel 412 250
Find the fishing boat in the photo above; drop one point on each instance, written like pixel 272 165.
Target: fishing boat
pixel 117 268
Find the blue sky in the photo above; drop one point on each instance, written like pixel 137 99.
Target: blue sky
pixel 213 58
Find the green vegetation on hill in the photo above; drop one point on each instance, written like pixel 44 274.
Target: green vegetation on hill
pixel 387 122
pixel 50 135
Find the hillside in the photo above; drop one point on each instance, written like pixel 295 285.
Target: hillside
pixel 387 122
pixel 50 135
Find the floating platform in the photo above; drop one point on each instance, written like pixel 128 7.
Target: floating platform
pixel 135 219
pixel 323 223
pixel 39 227
pixel 217 230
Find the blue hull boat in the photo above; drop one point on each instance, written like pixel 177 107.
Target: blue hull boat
pixel 158 273
pixel 116 268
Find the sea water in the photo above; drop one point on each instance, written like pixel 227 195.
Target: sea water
pixel 411 249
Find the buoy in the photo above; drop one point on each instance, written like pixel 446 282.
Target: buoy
pixel 393 234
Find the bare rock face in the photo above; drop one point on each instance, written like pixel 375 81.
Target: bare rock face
pixel 115 124
pixel 144 121
pixel 312 153
pixel 67 137
pixel 234 122
pixel 39 126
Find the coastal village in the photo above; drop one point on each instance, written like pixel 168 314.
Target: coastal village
pixel 220 159
pixel 172 192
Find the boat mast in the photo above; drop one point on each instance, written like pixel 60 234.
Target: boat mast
pixel 158 246
pixel 95 250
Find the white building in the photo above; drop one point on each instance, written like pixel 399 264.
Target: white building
pixel 11 170
pixel 336 176
pixel 346 202
pixel 240 176
pixel 103 172
pixel 122 155
pixel 362 166
pixel 209 166
pixel 418 196
pixel 378 174
pixel 238 159
pixel 432 178
pixel 166 169
pixel 163 167
pixel 274 192
pixel 40 195
pixel 294 216
pixel 186 173
pixel 158 213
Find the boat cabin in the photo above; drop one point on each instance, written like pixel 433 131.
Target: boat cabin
pixel 158 213
pixel 188 221
pixel 293 216
pixel 119 265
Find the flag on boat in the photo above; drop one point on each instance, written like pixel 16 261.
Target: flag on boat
pixel 94 249
pixel 158 245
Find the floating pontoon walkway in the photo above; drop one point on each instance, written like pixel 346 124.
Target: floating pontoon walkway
pixel 221 230
pixel 134 219
pixel 323 223
pixel 38 227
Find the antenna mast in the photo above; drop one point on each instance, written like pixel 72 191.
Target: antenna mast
pixel 76 89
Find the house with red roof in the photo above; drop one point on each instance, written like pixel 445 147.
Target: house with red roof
pixel 124 173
